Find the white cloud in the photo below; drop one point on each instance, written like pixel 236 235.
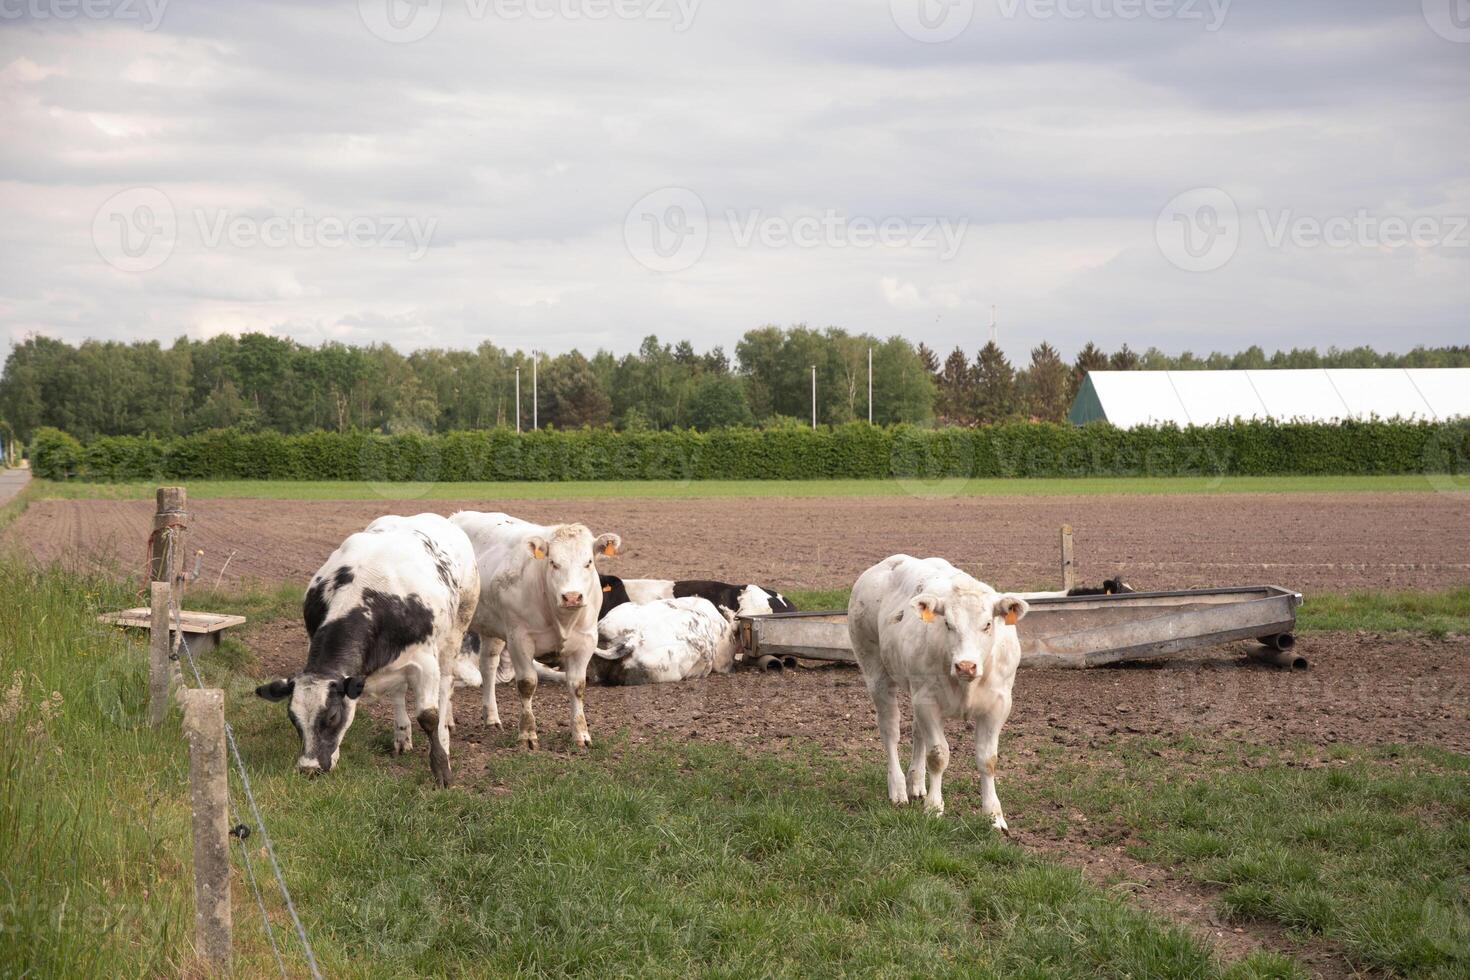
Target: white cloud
pixel 525 142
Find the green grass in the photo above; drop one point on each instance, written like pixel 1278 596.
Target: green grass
pixel 1432 613
pixel 661 859
pixel 1436 614
pixel 1018 487
pixel 1371 851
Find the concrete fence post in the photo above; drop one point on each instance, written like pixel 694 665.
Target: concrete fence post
pixel 1069 574
pixel 209 786
pixel 160 669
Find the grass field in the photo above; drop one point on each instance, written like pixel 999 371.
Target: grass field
pixel 674 858
pixel 1019 487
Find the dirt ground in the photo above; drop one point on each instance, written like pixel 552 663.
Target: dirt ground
pixel 1360 689
pixel 1324 542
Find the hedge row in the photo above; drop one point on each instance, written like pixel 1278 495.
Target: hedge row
pixel 791 453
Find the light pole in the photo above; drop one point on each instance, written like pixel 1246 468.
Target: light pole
pixel 814 396
pixel 870 386
pixel 535 423
pixel 518 401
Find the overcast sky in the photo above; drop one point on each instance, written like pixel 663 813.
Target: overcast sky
pixel 580 173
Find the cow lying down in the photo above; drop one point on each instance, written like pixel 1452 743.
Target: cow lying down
pixel 663 641
pixel 742 600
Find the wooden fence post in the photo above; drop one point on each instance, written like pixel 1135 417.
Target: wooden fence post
pixel 209 786
pixel 1069 575
pixel 169 513
pixel 160 669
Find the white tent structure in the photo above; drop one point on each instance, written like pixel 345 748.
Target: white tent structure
pixel 1130 398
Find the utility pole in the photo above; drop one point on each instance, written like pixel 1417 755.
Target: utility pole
pixel 535 423
pixel 870 386
pixel 814 396
pixel 518 401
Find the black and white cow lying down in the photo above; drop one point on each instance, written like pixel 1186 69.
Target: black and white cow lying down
pixel 742 600
pixel 389 607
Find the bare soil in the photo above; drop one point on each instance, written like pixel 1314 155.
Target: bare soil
pixel 1309 542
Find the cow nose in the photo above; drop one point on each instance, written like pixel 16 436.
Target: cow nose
pixel 309 767
pixel 965 668
pixel 571 599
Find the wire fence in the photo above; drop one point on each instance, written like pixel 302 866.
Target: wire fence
pixel 241 830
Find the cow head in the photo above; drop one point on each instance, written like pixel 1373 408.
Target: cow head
pixel 567 557
pixel 967 623
pixel 614 593
pixel 322 709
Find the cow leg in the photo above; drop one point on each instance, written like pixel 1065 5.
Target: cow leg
pixel 987 747
pixel 490 650
pixel 885 702
pixel 428 706
pixel 575 667
pixel 522 654
pixel 402 730
pixel 918 764
pixel 927 721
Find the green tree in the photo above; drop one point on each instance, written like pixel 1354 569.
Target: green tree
pixel 958 391
pixel 719 402
pixel 1044 384
pixel 995 385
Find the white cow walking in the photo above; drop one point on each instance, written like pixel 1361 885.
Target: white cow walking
pixel 539 594
pixel 924 625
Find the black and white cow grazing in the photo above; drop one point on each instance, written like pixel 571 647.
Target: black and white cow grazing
pixel 742 600
pixel 389 607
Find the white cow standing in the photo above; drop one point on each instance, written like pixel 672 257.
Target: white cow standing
pixel 924 625
pixel 539 594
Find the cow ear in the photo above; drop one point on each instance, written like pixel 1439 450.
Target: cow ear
pixel 277 690
pixel 352 687
pixel 607 544
pixel 928 606
pixel 1011 608
pixel 537 545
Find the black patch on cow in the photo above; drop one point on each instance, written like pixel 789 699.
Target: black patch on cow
pixel 342 577
pixel 1112 586
pixel 314 606
pixel 725 595
pixel 720 593
pixel 614 593
pixel 277 690
pixel 470 645
pixel 442 565
pixel 370 636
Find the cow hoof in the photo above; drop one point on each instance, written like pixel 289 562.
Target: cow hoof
pixel 583 741
pixel 899 799
pixel 999 822
pixel 934 809
pixel 402 745
pixel 917 792
pixel 492 719
pixel 529 744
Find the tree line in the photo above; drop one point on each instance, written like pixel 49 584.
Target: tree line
pixel 257 382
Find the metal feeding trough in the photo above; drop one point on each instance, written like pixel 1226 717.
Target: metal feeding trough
pixel 1079 631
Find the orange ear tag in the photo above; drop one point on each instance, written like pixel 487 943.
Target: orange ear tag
pixel 1011 617
pixel 607 588
pixel 926 614
pixel 609 549
pixel 538 553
